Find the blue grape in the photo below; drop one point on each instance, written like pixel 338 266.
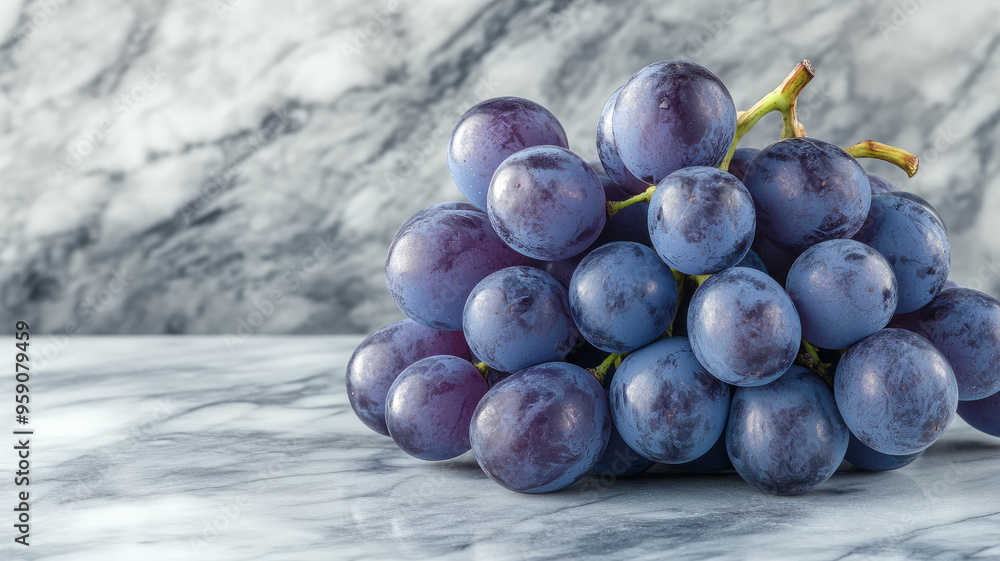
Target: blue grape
pixel 671 115
pixel 807 191
pixel 619 459
pixel 491 131
pixel 611 162
pixel 434 209
pixel 541 429
pixel 922 202
pixel 963 324
pixel 897 393
pixel 628 224
pixel 743 327
pixel 880 186
pixel 666 406
pixel 983 414
pixel 622 297
pixel 777 260
pixel 741 161
pixel 786 437
pixel 380 358
pixel 843 290
pixel 701 220
pixel 864 457
pixel 914 243
pixel 429 407
pixel 753 261
pixel 715 459
pixel 950 283
pixel 547 203
pixel 519 317
pixel 435 261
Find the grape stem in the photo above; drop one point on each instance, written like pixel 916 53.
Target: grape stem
pixel 809 358
pixel 615 206
pixel 601 371
pixel 783 98
pixel 482 368
pixel 895 156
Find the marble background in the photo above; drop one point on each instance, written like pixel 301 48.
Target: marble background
pixel 174 167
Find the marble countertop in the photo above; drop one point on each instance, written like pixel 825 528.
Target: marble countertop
pixel 178 448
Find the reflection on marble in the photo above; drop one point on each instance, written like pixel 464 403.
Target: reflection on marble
pixel 172 167
pixel 174 448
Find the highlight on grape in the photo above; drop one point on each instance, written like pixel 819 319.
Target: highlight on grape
pixel 683 300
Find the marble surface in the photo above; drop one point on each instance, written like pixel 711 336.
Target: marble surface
pixel 228 166
pixel 177 448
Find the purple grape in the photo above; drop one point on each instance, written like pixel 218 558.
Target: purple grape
pixel 777 260
pixel 491 131
pixel 880 186
pixel 628 224
pixel 429 407
pixel 743 327
pixel 666 406
pixel 380 358
pixel 622 297
pixel 950 283
pixel 963 324
pixel 672 115
pixel 914 243
pixel 519 317
pixel 437 259
pixel 715 459
pixel 843 291
pixel 611 162
pixel 786 437
pixel 897 393
pixel 620 460
pixel 701 220
pixel 922 202
pixel 434 209
pixel 541 429
pixel 864 457
pixel 753 261
pixel 983 414
pixel 807 191
pixel 547 203
pixel 741 160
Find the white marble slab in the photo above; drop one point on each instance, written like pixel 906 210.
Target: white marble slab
pixel 175 448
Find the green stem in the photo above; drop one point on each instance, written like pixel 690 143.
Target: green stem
pixel 699 279
pixel 482 368
pixel 615 206
pixel 895 156
pixel 614 359
pixel 784 99
pixel 809 358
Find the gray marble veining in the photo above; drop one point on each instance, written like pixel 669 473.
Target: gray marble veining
pixel 239 166
pixel 176 448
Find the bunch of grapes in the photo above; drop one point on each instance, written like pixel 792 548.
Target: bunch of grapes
pixel 776 311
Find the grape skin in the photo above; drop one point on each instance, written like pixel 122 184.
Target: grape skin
pixel 897 393
pixel 541 429
pixel 863 457
pixel 435 262
pixel 843 290
pixel 786 437
pixel 620 460
pixel 715 459
pixel 753 261
pixel 701 220
pixel 671 115
pixel 429 407
pixel 547 203
pixel 741 160
pixel 380 358
pixel 983 414
pixel 611 162
pixel 743 327
pixel 922 202
pixel 491 131
pixel 777 260
pixel 807 191
pixel 914 242
pixel 880 186
pixel 622 297
pixel 434 209
pixel 666 406
pixel 519 317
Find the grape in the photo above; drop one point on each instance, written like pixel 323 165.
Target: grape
pixel 880 186
pixel 753 261
pixel 950 283
pixel 491 131
pixel 715 459
pixel 701 220
pixel 914 243
pixel 922 202
pixel 541 429
pixel 429 407
pixel 807 191
pixel 896 392
pixel 777 261
pixel 741 160
pixel 671 115
pixel 519 317
pixel 434 209
pixel 380 358
pixel 963 324
pixel 436 260
pixel 622 297
pixel 983 414
pixel 843 290
pixel 629 223
pixel 743 327
pixel 611 162
pixel 665 405
pixel 619 460
pixel 546 203
pixel 863 457
pixel 786 437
